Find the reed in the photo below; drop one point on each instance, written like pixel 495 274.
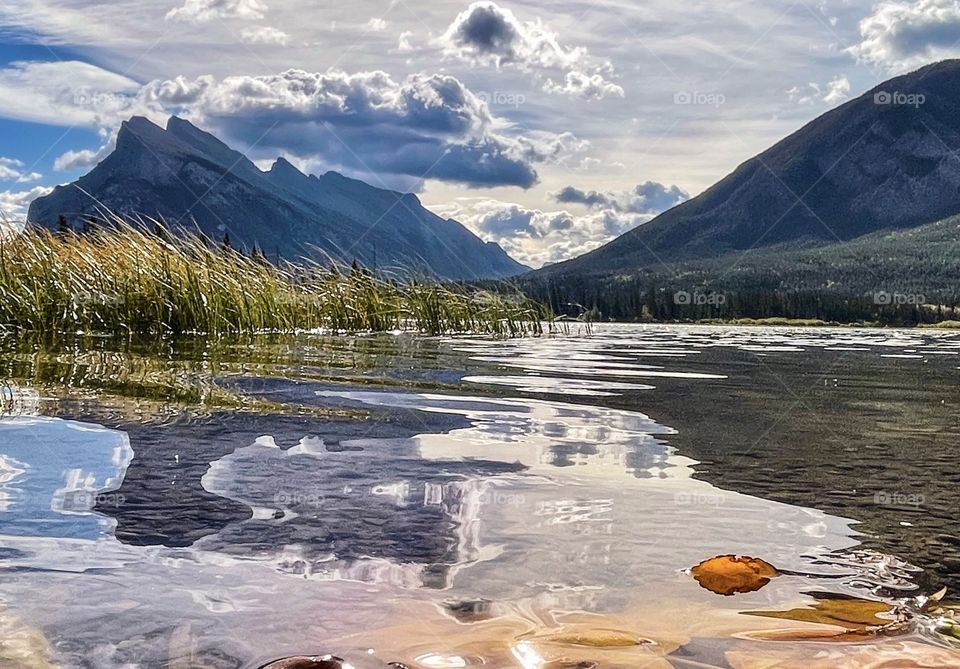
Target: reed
pixel 133 278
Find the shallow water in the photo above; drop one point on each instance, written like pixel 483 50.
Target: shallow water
pixel 464 502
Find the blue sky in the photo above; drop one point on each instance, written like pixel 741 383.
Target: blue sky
pixel 549 128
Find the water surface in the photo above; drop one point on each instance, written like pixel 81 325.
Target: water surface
pixel 464 502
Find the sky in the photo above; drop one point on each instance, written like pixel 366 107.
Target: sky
pixel 547 127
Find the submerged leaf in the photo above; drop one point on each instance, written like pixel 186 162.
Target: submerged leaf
pixel 732 574
pixel 808 634
pixel 595 639
pixel 884 655
pixel 933 601
pixel 854 615
pixel 590 648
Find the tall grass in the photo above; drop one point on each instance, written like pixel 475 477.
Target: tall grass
pixel 125 278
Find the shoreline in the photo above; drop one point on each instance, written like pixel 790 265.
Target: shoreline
pixel 777 321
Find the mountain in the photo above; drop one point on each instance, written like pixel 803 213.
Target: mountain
pixel 894 277
pixel 192 180
pixel 883 161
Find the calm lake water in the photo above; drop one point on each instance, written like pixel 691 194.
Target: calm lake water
pixel 460 502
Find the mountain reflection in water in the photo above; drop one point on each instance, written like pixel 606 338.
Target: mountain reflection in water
pixel 529 503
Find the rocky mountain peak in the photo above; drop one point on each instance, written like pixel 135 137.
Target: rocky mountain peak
pixel 191 179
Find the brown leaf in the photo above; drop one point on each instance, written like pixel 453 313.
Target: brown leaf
pixel 595 638
pixel 731 574
pixel 933 601
pixel 853 615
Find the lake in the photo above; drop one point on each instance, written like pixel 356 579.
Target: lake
pixel 536 503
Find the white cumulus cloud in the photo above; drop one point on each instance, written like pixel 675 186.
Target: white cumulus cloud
pixel 834 92
pixel 201 11
pixel 425 126
pixel 486 33
pixel 650 197
pixel 14 204
pixel 838 90
pixel 264 35
pixel 12 169
pixel 366 124
pixel 536 237
pixel 404 45
pixel 85 158
pixel 901 35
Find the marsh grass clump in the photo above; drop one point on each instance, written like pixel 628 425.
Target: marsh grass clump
pixel 124 277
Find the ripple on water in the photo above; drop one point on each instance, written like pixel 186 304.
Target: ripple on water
pixel 529 533
pixel 557 385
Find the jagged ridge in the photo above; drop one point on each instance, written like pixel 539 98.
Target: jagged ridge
pixel 192 180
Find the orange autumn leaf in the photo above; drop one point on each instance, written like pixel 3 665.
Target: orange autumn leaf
pixel 731 574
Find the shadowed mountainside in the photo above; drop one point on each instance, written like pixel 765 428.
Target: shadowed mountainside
pixel 194 181
pixel 884 160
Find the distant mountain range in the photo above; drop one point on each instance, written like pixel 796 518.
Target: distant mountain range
pixel 786 220
pixel 194 181
pixel 846 207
